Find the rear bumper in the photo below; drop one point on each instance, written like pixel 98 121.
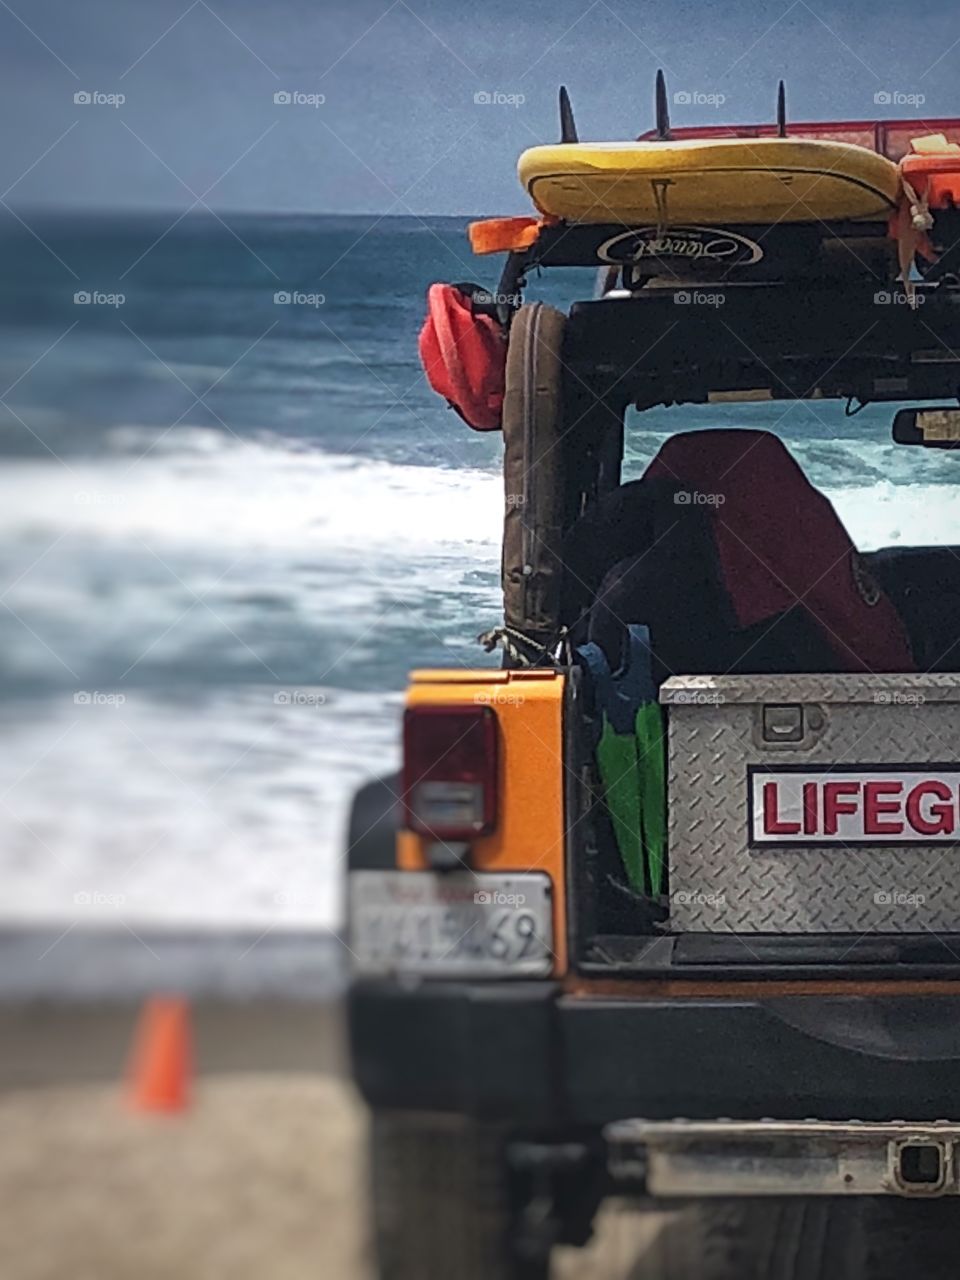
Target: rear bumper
pixel 684 1158
pixel 527 1054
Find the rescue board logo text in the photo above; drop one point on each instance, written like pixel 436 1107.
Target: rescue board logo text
pixel 692 244
pixel 862 805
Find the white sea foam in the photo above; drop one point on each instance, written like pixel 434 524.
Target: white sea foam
pixel 226 807
pixel 216 494
pixel 219 806
pixel 886 514
pixel 214 804
pixel 241 494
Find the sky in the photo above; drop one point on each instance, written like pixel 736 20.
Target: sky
pixel 414 106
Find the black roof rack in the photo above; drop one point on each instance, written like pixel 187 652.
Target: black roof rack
pixel 828 339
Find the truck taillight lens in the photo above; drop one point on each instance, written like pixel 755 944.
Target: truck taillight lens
pixel 450 771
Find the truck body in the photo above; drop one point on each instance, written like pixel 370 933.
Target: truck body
pixel 728 966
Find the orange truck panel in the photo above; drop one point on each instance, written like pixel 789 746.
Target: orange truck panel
pixel 530 831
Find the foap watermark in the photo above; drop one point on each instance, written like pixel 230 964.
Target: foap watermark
pixel 897 98
pixel 296 98
pixel 94 98
pixel 497 98
pixel 492 298
pixel 898 698
pixel 96 898
pixel 697 98
pixel 497 898
pixel 694 498
pixel 896 898
pixel 697 698
pixel 299 698
pixel 496 698
pixel 894 298
pixel 698 298
pixel 294 298
pixel 697 898
pixel 516 500
pixel 88 498
pixel 94 298
pixel 94 698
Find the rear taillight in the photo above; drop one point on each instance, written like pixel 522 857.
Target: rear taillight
pixel 450 771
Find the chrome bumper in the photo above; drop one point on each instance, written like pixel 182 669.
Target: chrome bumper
pixel 680 1158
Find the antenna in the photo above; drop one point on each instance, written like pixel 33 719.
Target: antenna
pixel 663 113
pixel 781 110
pixel 568 126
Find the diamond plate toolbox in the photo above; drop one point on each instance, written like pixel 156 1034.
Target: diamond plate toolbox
pixel 814 803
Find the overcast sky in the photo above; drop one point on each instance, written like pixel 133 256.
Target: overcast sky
pixel 399 129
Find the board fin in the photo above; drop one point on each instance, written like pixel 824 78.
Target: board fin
pixel 568 126
pixel 663 111
pixel 781 110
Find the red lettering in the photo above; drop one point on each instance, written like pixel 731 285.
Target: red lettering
pixel 834 803
pixel 811 808
pixel 942 819
pixel 869 806
pixel 874 806
pixel 772 825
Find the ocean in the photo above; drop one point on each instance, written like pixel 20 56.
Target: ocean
pixel 233 517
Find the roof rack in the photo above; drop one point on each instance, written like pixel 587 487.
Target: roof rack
pixel 778 342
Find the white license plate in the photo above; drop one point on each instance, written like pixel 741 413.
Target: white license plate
pixel 457 923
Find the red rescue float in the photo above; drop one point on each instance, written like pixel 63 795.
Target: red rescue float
pixel 464 356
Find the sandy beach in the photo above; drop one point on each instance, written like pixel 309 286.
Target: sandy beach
pixel 261 1177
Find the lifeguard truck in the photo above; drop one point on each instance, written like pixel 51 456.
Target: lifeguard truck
pixel 667 904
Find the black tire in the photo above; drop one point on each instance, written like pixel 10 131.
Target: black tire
pixel 764 1239
pixel 859 1238
pixel 912 1238
pixel 374 822
pixel 441 1201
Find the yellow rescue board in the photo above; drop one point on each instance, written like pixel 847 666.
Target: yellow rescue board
pixel 715 181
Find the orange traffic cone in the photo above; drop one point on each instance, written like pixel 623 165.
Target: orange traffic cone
pixel 161 1060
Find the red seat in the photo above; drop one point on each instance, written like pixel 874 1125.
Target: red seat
pixel 781 545
pixel 736 563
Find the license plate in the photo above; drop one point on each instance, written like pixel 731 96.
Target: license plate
pixel 480 925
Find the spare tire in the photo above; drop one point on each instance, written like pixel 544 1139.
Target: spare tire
pixel 534 472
